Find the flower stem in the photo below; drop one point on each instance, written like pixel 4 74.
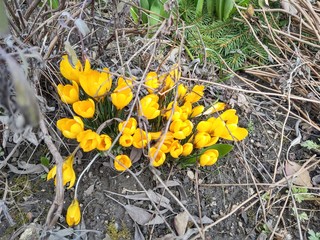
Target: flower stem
pixel 86 169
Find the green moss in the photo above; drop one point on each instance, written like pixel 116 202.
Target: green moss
pixel 20 218
pixel 118 234
pixel 21 188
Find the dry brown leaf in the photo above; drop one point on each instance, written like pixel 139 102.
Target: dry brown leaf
pixel 302 178
pixel 138 235
pixel 139 215
pixel 181 222
pixel 169 236
pixel 289 7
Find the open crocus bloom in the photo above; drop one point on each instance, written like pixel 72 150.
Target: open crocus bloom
pixel 70 128
pixel 96 84
pixel 69 93
pixel 122 162
pixel 69 70
pixel 85 108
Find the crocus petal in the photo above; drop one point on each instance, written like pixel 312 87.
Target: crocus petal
pixel 73 216
pixel 122 162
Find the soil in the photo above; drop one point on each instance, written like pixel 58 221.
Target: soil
pixel 237 195
pixel 216 190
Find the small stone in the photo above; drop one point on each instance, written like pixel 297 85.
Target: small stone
pixel 190 174
pixel 29 215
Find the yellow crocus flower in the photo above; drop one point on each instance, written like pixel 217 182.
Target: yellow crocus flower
pixel 104 142
pixel 209 157
pixel 176 149
pixel 85 108
pixel 69 93
pixel 149 106
pixel 226 126
pixel 88 140
pixel 166 142
pixel 182 90
pixel 121 96
pixel 70 128
pixel 186 110
pixel 181 129
pixel 126 140
pixel 203 139
pixel 187 149
pixel 219 106
pixel 96 84
pixel 128 127
pixel 177 111
pixel 166 82
pixel 140 138
pixel 73 216
pixel 156 160
pixel 122 162
pixel 204 126
pixel 229 116
pixel 69 71
pixel 152 82
pixel 155 135
pixel 195 95
pixel 234 133
pixel 68 174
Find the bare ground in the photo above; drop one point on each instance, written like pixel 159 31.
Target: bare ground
pixel 244 196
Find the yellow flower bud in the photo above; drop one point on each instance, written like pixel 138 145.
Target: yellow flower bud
pixel 122 162
pixel 166 142
pixel 85 108
pixel 128 128
pixel 126 140
pixel 157 157
pixel 181 129
pixel 209 157
pixel 152 82
pixel 70 128
pixel 141 138
pixel 96 84
pixel 187 149
pixel 122 95
pixel 201 139
pixel 69 71
pixel 195 95
pixel 68 174
pixel 166 81
pixel 69 93
pixel 73 216
pixel 88 140
pixel 176 149
pixel 182 90
pixel 149 106
pixel 104 142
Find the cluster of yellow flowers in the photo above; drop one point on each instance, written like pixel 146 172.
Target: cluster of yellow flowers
pixel 168 120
